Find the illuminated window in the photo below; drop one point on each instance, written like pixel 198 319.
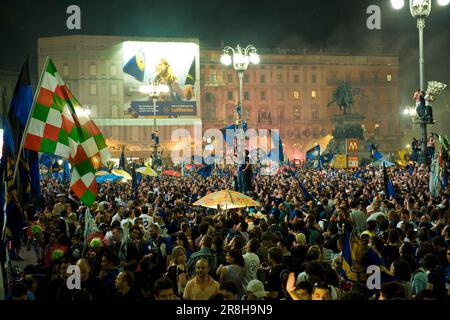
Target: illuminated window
pixel 389 77
pixel 376 126
pixel 296 95
pixel 314 94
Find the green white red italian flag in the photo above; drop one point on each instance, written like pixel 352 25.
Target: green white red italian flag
pixel 59 125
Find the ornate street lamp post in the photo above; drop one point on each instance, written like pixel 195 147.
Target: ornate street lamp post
pixel 241 58
pixel 154 91
pixel 420 10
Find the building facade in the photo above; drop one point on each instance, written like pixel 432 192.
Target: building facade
pixel 289 92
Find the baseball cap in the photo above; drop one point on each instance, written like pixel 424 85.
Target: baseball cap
pixel 257 288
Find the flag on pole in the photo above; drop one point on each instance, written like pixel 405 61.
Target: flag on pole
pixel 59 125
pixel 122 160
pixel 11 216
pixel 134 182
pixel 28 181
pixel 388 183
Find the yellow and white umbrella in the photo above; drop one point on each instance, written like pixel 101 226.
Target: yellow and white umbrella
pixel 147 171
pixel 101 173
pixel 122 173
pixel 226 199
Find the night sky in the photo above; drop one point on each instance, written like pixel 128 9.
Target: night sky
pixel 335 26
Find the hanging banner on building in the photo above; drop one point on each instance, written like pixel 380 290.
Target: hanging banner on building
pixel 164 109
pixel 174 65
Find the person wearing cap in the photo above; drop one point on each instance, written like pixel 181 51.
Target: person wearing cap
pixel 255 291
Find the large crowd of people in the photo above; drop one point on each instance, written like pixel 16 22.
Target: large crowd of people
pixel 152 243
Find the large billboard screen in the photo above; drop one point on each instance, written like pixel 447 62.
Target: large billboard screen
pixel 172 65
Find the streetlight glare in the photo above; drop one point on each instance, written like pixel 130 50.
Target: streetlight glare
pixel 443 2
pixel 225 59
pixel 144 89
pixel 398 4
pixel 254 57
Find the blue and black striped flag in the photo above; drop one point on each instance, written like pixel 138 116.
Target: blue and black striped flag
pixel 19 110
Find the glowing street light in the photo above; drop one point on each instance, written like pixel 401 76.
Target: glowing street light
pixel 240 58
pixel 398 4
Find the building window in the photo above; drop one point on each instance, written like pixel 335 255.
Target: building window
pixel 316 132
pixel 114 89
pixel 314 78
pixel 230 95
pixel 296 95
pixel 389 77
pixel 280 95
pixel 66 70
pixel 208 97
pixel 279 78
pixel 113 70
pixel 296 113
pixel 314 95
pixel 213 76
pixel 246 95
pixel 263 95
pixel 246 78
pixel 280 114
pixel 315 115
pixel 92 69
pixel 93 89
pixel 114 112
pixel 230 78
pixel 296 78
pixel 210 108
pixel 262 78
